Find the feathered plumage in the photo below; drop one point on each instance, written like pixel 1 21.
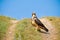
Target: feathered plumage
pixel 37 23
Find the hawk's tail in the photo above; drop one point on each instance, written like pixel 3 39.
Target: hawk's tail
pixel 44 28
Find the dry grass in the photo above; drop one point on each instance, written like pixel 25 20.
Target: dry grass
pixel 25 31
pixel 4 24
pixel 56 22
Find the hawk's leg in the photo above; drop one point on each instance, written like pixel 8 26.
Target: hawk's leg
pixel 38 28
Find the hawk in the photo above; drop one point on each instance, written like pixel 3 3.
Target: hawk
pixel 37 23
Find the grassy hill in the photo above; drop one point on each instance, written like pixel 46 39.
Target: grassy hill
pixel 27 31
pixel 4 24
pixel 24 30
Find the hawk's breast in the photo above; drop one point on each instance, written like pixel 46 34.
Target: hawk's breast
pixel 34 24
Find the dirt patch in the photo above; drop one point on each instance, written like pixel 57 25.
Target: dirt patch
pixel 52 34
pixel 11 30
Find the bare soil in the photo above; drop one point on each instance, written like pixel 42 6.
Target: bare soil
pixel 52 34
pixel 11 30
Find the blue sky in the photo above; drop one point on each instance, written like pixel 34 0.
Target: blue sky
pixel 24 8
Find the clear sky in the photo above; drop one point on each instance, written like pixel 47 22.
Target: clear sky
pixel 24 8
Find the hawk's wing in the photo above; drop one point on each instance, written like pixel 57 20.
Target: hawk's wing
pixel 37 21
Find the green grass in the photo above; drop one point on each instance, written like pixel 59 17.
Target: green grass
pixel 4 24
pixel 25 31
pixel 6 18
pixel 56 22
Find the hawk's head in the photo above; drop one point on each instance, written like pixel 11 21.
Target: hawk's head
pixel 34 15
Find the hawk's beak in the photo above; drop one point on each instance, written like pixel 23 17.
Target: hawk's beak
pixel 33 15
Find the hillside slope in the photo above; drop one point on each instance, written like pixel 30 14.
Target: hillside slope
pixel 27 31
pixel 11 30
pixel 23 29
pixel 4 24
pixel 51 35
pixel 56 22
